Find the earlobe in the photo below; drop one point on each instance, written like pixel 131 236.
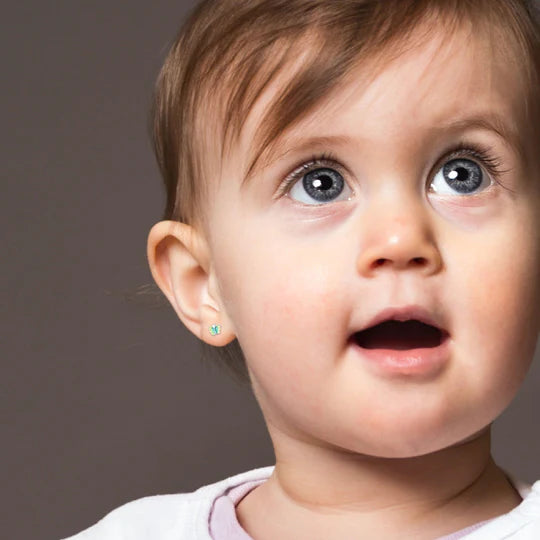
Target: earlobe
pixel 180 264
pixel 216 328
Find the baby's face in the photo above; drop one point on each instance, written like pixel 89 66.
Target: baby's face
pixel 300 272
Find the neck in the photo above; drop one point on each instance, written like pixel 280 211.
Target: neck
pixel 315 477
pixel 434 494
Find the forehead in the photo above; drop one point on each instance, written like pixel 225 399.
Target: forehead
pixel 439 80
pixel 447 79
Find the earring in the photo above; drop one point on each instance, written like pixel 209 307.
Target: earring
pixel 215 329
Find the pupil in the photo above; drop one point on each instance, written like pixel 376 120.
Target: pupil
pixel 324 182
pixel 462 173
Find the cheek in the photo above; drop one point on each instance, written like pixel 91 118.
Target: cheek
pixel 292 309
pixel 495 301
pixel 290 320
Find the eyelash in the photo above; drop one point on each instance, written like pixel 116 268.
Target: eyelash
pixel 483 154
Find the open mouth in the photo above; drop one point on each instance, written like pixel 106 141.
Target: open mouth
pixel 400 335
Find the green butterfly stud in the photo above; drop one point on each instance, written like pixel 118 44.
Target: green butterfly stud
pixel 215 329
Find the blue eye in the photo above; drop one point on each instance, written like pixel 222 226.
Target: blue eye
pixel 458 175
pixel 321 180
pixel 321 185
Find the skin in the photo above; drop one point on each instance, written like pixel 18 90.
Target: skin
pixel 359 453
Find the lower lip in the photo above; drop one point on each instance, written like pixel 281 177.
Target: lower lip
pixel 424 361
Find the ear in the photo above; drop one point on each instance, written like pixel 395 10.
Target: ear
pixel 181 265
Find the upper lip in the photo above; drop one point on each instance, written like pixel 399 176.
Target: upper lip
pixel 405 313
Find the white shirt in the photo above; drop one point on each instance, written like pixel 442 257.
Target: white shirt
pixel 185 516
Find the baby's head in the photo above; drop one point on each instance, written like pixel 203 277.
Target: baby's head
pixel 327 160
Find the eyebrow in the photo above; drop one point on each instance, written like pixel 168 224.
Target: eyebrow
pixel 272 152
pixel 487 122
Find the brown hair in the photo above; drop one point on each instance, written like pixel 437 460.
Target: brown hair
pixel 227 52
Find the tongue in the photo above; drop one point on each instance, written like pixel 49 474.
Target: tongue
pixel 399 335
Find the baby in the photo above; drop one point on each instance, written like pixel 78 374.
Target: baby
pixel 353 194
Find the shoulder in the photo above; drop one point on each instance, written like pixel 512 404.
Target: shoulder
pixel 521 523
pixel 156 516
pixel 166 517
pixel 526 517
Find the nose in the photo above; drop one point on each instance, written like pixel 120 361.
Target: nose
pixel 400 240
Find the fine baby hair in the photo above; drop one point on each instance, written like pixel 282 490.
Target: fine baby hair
pixel 352 226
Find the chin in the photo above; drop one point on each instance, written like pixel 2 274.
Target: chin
pixel 410 444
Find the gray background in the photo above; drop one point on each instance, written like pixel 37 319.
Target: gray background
pixel 106 400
